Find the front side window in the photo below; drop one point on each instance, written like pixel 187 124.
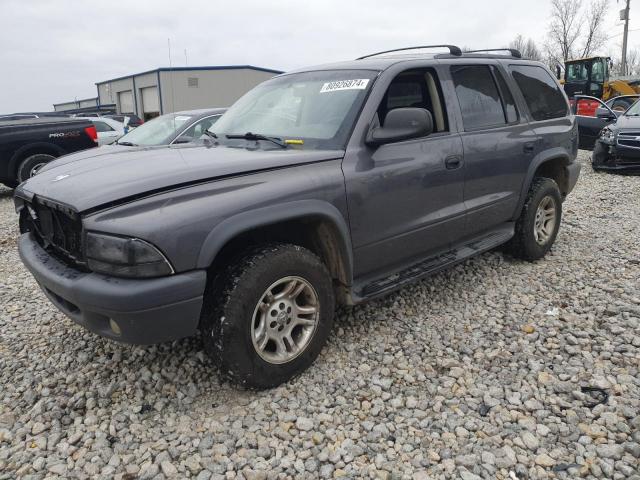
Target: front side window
pixel 158 131
pixel 478 96
pixel 196 130
pixel 415 89
pixel 316 109
pixel 541 92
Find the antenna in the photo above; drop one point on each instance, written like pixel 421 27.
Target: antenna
pixel 186 62
pixel 173 98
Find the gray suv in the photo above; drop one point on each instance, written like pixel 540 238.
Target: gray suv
pixel 327 185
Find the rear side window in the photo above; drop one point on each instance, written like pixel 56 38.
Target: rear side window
pixel 102 127
pixel 507 99
pixel 478 96
pixel 541 92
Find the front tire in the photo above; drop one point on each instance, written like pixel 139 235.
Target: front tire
pixel 268 315
pixel 538 225
pixel 30 165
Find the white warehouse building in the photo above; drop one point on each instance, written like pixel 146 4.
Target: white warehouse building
pixel 165 90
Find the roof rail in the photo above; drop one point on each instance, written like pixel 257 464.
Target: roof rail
pixel 453 50
pixel 512 51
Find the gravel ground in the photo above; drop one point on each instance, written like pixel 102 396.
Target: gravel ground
pixel 473 373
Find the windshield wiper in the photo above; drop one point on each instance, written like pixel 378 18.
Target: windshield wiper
pixel 126 144
pixel 210 134
pixel 257 136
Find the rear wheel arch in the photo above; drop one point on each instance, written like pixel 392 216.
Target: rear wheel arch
pixel 32 149
pixel 553 166
pixel 320 229
pixel 555 169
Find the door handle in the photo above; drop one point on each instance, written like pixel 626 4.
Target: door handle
pixel 529 147
pixel 453 162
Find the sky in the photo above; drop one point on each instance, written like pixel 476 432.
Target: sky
pixel 52 51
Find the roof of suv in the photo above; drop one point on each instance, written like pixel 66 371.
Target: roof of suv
pixel 387 59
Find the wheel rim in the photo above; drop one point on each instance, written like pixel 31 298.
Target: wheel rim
pixel 285 320
pixel 545 221
pixel 35 168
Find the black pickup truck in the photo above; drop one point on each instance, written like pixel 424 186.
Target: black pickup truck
pixel 26 145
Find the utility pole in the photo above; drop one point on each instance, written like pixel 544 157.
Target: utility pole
pixel 625 13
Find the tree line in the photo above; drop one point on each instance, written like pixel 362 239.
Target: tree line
pixel 576 29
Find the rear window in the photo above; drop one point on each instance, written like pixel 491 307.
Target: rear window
pixel 540 91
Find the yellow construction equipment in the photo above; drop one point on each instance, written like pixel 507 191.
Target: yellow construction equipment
pixel 590 76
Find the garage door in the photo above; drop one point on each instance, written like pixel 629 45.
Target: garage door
pixel 125 100
pixel 150 102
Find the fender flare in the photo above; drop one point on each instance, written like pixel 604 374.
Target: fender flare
pixel 557 153
pixel 261 217
pixel 17 155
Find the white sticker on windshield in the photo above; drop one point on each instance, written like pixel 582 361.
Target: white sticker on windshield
pixel 182 118
pixel 355 84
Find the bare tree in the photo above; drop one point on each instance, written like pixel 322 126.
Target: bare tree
pixel 527 47
pixel 594 38
pixel 633 63
pixel 564 29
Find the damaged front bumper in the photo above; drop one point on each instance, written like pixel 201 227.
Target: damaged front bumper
pixel 616 158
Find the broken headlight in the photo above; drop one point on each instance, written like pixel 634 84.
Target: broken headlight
pixel 607 136
pixel 125 257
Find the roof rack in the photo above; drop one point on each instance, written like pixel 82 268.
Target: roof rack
pixel 453 50
pixel 512 51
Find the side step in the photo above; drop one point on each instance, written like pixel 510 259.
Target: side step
pixel 438 262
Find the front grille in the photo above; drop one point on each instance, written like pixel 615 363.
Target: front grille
pixel 57 228
pixel 629 138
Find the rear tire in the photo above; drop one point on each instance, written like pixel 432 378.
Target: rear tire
pixel 30 165
pixel 267 316
pixel 539 222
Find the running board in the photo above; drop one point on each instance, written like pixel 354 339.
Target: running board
pixel 437 262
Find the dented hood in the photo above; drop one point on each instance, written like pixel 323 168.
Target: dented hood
pixel 90 182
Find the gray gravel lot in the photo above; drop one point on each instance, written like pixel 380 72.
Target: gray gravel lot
pixel 473 373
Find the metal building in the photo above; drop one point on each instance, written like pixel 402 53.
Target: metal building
pixel 79 106
pixel 163 90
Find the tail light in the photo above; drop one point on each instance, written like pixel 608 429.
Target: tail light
pixel 91 131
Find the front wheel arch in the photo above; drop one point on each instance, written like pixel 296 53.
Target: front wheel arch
pixel 313 224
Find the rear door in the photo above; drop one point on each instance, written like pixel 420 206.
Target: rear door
pixel 498 144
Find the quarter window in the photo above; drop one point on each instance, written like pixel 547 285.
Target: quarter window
pixel 540 91
pixel 478 96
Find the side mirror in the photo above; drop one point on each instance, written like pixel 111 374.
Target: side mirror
pixel 602 112
pixel 183 139
pixel 402 124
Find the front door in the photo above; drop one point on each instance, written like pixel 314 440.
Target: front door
pixel 405 199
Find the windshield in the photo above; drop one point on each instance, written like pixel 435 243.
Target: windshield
pixel 313 110
pixel 576 72
pixel 159 131
pixel 634 110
